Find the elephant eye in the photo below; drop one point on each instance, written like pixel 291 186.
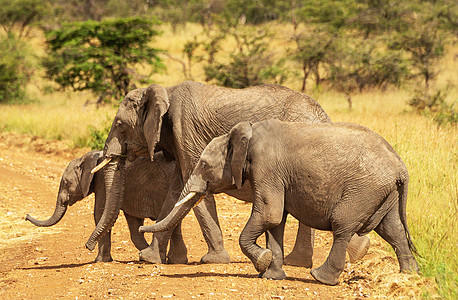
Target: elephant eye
pixel 120 125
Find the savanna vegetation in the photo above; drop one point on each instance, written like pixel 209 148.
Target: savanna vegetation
pixel 389 65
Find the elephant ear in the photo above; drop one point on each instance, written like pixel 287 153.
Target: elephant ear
pixel 88 162
pixel 156 105
pixel 239 138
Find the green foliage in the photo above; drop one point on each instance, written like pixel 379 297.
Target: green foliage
pixel 424 42
pixel 364 66
pixel 250 64
pixel 20 14
pixel 15 69
pixel 314 47
pixel 101 56
pixel 98 136
pixel 332 13
pixel 256 11
pixel 434 104
pixel 75 10
pixel 179 12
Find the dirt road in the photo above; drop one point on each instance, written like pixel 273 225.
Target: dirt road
pixel 50 263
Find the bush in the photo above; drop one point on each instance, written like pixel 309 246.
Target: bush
pixel 98 136
pixel 101 56
pixel 15 69
pixel 434 104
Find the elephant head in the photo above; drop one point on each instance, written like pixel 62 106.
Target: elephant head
pixel 221 167
pixel 135 132
pixel 75 185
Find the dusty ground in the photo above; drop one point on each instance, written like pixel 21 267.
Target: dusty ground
pixel 37 263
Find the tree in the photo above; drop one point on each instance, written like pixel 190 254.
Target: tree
pixel 251 63
pixel 363 65
pixel 314 46
pixel 20 14
pixel 101 56
pixel 15 69
pixel 425 44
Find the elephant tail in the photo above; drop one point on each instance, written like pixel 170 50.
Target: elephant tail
pixel 403 184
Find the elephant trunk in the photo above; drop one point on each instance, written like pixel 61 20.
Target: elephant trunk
pixel 187 201
pixel 114 185
pixel 58 214
pixel 193 192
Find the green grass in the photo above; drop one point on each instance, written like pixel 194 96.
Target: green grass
pixel 429 151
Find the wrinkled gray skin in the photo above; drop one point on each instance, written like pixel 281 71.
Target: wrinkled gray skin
pixel 147 184
pixel 339 177
pixel 181 120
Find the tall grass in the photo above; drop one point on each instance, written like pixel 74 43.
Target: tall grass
pixel 429 151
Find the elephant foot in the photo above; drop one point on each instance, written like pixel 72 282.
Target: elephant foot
pixel 409 265
pixel 177 259
pixel 299 259
pixel 357 247
pixel 148 255
pixel 214 257
pixel 322 276
pixel 263 261
pixel 103 258
pixel 273 273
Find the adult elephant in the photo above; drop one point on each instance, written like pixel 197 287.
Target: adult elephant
pixel 181 120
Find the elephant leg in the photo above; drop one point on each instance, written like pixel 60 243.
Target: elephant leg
pixel 302 253
pixel 207 217
pixel 274 241
pixel 344 222
pixel 177 252
pixel 104 243
pixel 329 272
pixel 357 247
pixel 267 212
pixel 156 252
pixel 392 230
pixel 135 236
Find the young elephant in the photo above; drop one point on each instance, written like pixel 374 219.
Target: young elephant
pixel 146 202
pixel 338 177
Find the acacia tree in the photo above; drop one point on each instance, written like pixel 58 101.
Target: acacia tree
pixel 101 56
pixel 313 48
pixel 425 44
pixel 18 15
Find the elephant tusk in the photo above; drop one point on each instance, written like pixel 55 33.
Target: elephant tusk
pixel 186 199
pixel 101 165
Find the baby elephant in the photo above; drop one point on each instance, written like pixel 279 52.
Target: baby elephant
pixel 146 202
pixel 338 177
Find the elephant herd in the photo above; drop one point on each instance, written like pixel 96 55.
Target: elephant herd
pixel 170 149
